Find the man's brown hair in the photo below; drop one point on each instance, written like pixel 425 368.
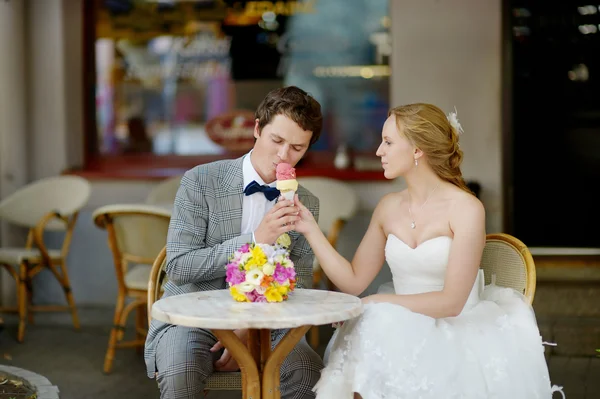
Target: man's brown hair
pixel 294 103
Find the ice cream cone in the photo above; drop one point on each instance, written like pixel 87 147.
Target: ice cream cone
pixel 286 181
pixel 288 194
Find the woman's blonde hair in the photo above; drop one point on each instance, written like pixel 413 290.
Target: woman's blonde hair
pixel 427 128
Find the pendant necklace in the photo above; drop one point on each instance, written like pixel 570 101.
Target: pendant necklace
pixel 413 225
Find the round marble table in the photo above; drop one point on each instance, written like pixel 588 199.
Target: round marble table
pixel 217 311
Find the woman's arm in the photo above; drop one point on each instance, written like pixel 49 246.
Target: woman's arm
pixel 468 225
pixel 352 278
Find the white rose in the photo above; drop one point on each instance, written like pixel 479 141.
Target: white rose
pixel 245 286
pixel 278 259
pixel 269 269
pixel 260 289
pixel 254 276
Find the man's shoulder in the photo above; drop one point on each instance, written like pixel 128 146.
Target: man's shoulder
pixel 307 198
pixel 211 173
pixel 215 168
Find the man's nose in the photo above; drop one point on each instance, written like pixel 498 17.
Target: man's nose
pixel 284 152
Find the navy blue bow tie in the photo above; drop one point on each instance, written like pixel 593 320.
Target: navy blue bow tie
pixel 270 192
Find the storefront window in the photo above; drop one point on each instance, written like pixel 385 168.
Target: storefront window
pixel 184 77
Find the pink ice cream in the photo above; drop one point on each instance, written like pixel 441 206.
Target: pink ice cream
pixel 286 180
pixel 285 171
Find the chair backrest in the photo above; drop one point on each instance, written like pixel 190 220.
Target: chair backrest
pixel 135 230
pixel 63 194
pixel 337 202
pixel 136 234
pixel 510 261
pixel 164 192
pixel 157 279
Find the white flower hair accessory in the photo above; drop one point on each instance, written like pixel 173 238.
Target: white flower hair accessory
pixel 453 119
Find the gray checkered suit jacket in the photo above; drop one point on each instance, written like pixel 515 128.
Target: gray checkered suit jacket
pixel 205 229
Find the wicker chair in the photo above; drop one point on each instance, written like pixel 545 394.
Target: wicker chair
pixel 136 233
pixel 46 205
pixel 218 381
pixel 509 261
pixel 333 215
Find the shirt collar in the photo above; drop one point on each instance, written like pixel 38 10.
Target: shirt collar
pixel 251 174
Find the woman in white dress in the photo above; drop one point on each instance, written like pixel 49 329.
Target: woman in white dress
pixel 440 333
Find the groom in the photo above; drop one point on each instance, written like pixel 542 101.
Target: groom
pixel 213 215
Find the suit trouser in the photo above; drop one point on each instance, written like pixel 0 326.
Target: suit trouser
pixel 184 361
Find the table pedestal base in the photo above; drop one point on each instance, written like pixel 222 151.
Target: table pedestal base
pixel 259 365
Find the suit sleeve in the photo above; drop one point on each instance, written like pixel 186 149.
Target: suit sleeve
pixel 190 259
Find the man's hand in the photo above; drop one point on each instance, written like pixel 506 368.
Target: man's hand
pixel 226 362
pixel 280 219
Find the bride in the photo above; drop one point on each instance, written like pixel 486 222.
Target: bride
pixel 439 333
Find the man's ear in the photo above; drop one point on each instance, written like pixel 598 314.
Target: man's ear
pixel 256 129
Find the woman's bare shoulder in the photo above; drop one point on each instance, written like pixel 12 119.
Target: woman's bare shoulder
pixel 391 200
pixel 465 204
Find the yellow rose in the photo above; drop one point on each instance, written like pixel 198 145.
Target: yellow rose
pixel 284 240
pixel 238 296
pixel 273 295
pixel 258 256
pixel 283 290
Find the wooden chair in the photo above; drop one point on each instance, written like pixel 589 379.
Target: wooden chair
pixel 338 203
pixel 509 261
pixel 136 234
pixel 47 205
pixel 218 381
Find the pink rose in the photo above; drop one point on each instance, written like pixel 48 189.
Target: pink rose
pixel 234 274
pixel 254 296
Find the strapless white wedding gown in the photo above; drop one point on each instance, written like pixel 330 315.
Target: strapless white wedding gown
pixel 493 349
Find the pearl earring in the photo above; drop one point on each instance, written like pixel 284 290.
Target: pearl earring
pixel 416 162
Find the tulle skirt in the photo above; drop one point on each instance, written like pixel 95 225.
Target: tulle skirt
pixel 491 350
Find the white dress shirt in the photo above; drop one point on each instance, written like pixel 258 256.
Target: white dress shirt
pixel 254 206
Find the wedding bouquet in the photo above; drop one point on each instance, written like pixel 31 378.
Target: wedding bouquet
pixel 261 272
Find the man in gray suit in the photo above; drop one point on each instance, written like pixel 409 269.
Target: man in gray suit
pixel 219 207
